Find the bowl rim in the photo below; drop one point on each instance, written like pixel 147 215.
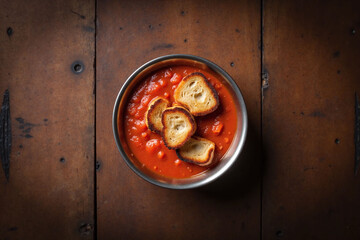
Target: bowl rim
pixel 214 67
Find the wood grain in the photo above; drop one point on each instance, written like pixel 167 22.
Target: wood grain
pixel 311 55
pixel 310 67
pixel 50 193
pixel 129 34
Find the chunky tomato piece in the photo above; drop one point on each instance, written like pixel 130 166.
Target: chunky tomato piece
pixel 162 82
pixel 160 154
pixel 152 145
pixel 218 86
pixel 141 125
pixel 131 109
pixel 217 127
pixel 176 78
pixel 145 135
pixel 168 73
pixel 145 100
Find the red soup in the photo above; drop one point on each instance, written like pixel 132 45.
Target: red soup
pixel 148 147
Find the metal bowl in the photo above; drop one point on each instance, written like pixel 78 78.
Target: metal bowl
pixel 231 155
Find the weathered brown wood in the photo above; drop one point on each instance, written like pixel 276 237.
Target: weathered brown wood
pixel 50 193
pixel 133 32
pixel 311 54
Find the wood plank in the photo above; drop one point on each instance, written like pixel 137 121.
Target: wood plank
pixel 50 193
pixel 311 52
pixel 133 32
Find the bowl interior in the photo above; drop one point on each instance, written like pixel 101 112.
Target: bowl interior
pixel 228 159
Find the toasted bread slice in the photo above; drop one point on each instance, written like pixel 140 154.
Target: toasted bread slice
pixel 179 126
pixel 197 150
pixel 197 94
pixel 154 112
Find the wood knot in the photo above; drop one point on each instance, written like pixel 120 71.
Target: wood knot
pixel 9 31
pixel 265 80
pixel 86 229
pixel 98 165
pixel 77 67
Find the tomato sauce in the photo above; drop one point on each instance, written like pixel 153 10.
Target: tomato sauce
pixel 148 147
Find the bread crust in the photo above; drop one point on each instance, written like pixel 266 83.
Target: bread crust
pixel 148 116
pixel 208 84
pixel 189 118
pixel 209 154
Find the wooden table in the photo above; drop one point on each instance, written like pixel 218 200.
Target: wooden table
pixel 296 62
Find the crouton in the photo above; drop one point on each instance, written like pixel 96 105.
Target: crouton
pixel 197 94
pixel 197 150
pixel 179 126
pixel 154 112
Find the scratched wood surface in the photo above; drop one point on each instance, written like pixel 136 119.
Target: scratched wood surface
pixel 311 54
pixel 50 193
pixel 129 33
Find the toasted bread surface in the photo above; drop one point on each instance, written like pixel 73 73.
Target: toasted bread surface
pixel 197 94
pixel 154 113
pixel 178 126
pixel 197 150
